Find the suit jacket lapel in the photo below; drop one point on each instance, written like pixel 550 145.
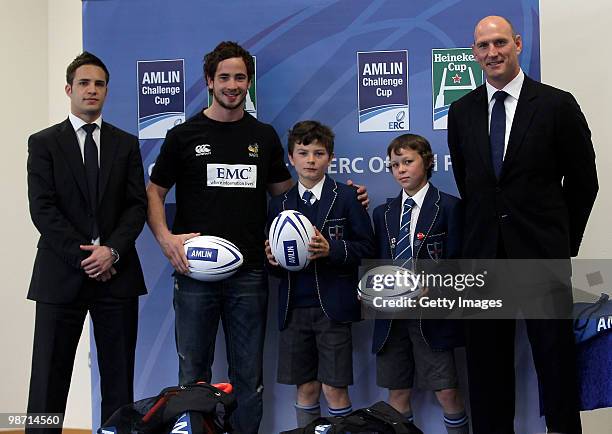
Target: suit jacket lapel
pixel 108 149
pixel 525 110
pixel 291 198
pixel 69 144
pixel 392 221
pixel 328 197
pixel 481 128
pixel 427 218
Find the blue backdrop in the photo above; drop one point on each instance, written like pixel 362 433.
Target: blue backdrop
pixel 306 69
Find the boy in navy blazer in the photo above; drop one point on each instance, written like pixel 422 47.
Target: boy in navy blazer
pixel 318 303
pixel 420 223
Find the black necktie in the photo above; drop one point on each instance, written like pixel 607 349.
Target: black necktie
pixel 497 133
pixel 91 170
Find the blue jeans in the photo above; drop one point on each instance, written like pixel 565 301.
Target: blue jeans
pixel 241 302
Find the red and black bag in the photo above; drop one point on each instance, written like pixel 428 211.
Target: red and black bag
pixel 194 408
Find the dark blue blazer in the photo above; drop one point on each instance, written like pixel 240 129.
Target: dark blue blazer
pixel 345 224
pixel 440 221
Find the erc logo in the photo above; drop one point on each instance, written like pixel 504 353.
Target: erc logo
pixel 398 124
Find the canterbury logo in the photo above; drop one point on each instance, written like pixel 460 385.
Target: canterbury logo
pixel 202 150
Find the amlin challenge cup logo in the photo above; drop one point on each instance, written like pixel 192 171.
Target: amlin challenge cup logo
pixel 454 73
pixel 161 96
pixel 382 91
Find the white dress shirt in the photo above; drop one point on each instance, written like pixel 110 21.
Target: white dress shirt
pixel 77 124
pixel 316 190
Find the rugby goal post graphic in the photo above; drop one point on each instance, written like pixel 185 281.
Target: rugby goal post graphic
pixel 444 87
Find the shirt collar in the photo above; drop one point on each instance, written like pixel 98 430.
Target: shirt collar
pixel 316 190
pixel 77 122
pixel 513 88
pixel 418 198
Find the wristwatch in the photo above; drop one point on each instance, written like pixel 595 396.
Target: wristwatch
pixel 115 255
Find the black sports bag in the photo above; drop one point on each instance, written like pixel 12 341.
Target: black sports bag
pixel 380 418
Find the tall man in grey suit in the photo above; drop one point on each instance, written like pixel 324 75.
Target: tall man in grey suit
pixel 88 201
pixel 525 167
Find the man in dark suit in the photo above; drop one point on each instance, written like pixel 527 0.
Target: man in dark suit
pixel 525 166
pixel 88 215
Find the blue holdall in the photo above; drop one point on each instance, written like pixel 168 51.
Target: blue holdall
pixel 592 319
pixel 592 330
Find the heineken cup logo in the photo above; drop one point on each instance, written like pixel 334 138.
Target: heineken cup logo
pixel 454 73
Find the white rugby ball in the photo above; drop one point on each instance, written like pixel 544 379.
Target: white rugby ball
pixel 289 236
pixel 211 258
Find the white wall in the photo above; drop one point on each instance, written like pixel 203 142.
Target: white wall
pixel 24 109
pixel 38 38
pixel 574 58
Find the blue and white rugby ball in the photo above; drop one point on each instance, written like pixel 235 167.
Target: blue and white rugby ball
pixel 289 236
pixel 211 258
